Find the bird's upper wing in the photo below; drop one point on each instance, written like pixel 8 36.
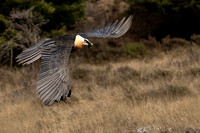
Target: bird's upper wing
pixel 114 30
pixel 53 76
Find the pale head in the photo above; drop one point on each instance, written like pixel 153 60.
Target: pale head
pixel 80 42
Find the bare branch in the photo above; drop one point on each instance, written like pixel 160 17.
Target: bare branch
pixel 25 25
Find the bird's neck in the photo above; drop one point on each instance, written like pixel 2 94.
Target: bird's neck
pixel 78 43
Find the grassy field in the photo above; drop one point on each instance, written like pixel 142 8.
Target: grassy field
pixel 161 93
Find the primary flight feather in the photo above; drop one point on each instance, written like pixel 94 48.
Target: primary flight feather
pixel 53 77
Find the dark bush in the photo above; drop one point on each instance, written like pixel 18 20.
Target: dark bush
pixel 166 92
pixel 178 18
pixel 195 38
pixel 127 73
pixel 81 74
pixel 169 43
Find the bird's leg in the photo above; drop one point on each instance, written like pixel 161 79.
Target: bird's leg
pixel 63 97
pixel 69 93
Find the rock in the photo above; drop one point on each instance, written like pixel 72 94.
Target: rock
pixel 189 130
pixel 144 130
pixel 197 131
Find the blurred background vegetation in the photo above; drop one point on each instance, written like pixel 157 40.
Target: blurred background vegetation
pixel 24 23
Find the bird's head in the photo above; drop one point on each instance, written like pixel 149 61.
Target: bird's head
pixel 80 42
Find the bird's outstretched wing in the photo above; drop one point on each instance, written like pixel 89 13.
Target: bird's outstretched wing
pixel 53 76
pixel 31 54
pixel 114 30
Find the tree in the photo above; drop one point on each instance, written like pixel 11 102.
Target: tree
pixel 59 13
pixel 179 18
pixel 23 22
pixel 22 31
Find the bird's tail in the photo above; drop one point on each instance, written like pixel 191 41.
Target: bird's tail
pixel 30 55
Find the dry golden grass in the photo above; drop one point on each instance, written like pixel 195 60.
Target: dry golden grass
pixel 162 93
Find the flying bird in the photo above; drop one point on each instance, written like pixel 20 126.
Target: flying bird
pixel 53 77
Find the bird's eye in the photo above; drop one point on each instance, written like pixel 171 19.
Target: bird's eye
pixel 84 40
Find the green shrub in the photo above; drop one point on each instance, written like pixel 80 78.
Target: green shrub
pixel 135 49
pixel 54 33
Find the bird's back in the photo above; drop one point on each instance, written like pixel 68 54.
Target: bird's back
pixel 34 53
pixel 65 40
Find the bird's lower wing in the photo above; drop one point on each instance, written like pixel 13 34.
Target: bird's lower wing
pixel 53 76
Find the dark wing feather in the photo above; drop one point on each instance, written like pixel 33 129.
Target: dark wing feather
pixel 33 53
pixel 114 30
pixel 53 76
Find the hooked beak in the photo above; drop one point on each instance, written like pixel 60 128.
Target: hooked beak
pixel 88 43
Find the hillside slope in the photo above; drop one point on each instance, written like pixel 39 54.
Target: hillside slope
pixel 161 93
